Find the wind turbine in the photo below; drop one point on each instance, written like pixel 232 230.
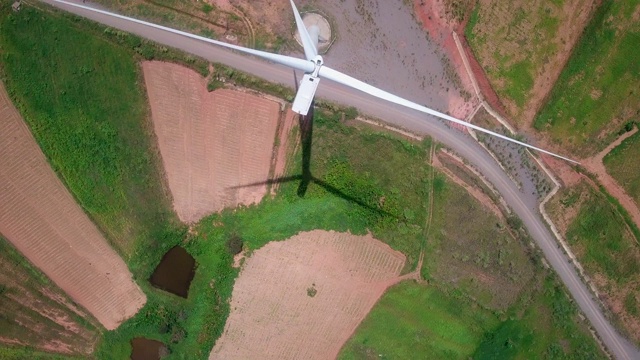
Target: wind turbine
pixel 314 69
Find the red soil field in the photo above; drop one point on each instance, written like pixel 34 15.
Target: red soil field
pixel 216 147
pixel 303 298
pixel 41 219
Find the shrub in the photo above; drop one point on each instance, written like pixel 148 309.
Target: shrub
pixel 234 244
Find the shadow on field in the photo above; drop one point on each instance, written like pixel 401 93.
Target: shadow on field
pixel 306 178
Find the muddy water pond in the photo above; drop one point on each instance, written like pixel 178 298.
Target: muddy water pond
pixel 175 272
pixel 145 349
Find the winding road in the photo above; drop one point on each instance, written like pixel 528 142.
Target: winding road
pixel 415 122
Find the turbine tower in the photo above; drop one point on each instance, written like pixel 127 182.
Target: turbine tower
pixel 314 69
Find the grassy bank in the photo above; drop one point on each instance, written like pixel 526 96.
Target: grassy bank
pixel 486 298
pixel 621 163
pixel 596 94
pixel 428 321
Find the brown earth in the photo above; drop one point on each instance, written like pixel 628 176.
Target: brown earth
pixel 285 147
pixel 216 147
pixel 303 298
pixel 42 220
pixel 37 313
pixel 432 14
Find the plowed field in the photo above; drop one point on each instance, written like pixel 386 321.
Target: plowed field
pixel 212 144
pixel 302 298
pixel 41 219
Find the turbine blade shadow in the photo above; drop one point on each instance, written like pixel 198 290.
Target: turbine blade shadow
pixel 306 139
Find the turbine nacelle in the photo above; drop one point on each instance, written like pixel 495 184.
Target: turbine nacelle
pixel 307 89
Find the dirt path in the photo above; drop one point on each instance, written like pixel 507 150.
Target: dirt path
pixel 596 165
pixel 284 146
pixel 216 147
pixel 303 298
pixel 41 219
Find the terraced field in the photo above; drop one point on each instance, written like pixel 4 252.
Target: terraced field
pixel 211 147
pixel 42 220
pixel 303 297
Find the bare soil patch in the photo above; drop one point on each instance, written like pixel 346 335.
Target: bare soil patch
pixel 38 314
pixel 42 220
pixel 303 298
pixel 286 146
pixel 216 147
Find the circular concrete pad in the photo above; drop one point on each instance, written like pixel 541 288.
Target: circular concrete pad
pixel 311 19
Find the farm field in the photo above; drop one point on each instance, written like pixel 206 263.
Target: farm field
pixel 596 94
pixel 605 246
pixel 42 220
pixel 522 46
pixel 620 163
pixel 303 297
pixel 212 149
pixel 45 318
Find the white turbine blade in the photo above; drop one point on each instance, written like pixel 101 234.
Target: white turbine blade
pixel 334 75
pixel 299 64
pixel 310 50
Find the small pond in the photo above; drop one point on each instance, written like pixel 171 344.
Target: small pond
pixel 175 272
pixel 145 349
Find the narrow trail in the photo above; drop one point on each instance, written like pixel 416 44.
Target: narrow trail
pixel 596 166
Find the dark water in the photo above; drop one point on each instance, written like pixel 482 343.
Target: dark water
pixel 145 349
pixel 175 272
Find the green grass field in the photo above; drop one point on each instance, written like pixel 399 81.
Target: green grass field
pixel 620 164
pixel 469 247
pixel 426 321
pixel 419 321
pixel 597 92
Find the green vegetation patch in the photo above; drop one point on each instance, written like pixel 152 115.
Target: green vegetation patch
pixel 597 92
pixel 623 163
pixel 79 92
pixel 471 248
pixel 604 243
pixel 427 321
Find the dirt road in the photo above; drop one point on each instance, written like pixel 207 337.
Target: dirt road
pixel 415 122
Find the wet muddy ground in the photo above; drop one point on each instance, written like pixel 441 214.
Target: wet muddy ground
pixel 145 349
pixel 381 43
pixel 175 272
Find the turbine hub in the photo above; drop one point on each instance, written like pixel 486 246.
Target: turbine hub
pixel 317 62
